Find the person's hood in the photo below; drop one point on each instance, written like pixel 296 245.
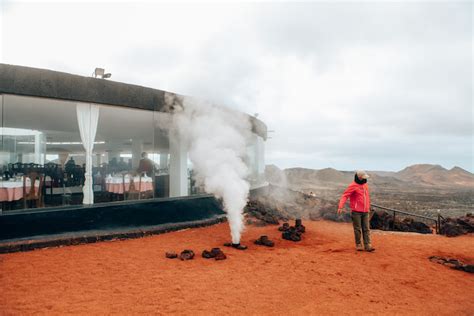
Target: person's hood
pixel 359 181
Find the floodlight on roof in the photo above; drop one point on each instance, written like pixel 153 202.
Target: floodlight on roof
pixel 99 72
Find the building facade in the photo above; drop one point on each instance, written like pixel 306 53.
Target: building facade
pixel 71 140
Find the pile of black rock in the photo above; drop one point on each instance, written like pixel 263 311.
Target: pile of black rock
pixel 385 221
pixel 453 263
pixel 186 254
pixel 215 253
pixel 261 214
pixel 330 215
pixel 293 233
pixel 264 241
pixel 171 255
pixel 453 227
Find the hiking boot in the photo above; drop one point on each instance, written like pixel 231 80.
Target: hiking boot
pixel 369 248
pixel 359 247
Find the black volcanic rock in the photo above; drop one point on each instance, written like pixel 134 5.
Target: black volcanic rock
pixel 385 221
pixel 215 253
pixel 453 263
pixel 284 227
pixel 453 227
pixel 293 233
pixel 264 213
pixel 264 241
pixel 171 255
pixel 186 255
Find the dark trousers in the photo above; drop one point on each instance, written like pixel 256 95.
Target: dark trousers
pixel 361 224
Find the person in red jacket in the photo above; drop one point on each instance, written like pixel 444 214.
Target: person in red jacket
pixel 358 193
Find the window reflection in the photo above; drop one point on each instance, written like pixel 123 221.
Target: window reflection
pixel 43 160
pixel 125 165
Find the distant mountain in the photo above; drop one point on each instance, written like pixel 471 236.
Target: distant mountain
pixel 275 175
pixel 322 175
pixel 422 175
pixel 436 175
pixel 384 173
pixel 460 175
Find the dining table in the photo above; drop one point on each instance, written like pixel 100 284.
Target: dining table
pixel 120 184
pixel 12 189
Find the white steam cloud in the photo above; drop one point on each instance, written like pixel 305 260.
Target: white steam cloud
pixel 216 139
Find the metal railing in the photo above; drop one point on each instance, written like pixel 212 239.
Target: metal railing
pixel 437 220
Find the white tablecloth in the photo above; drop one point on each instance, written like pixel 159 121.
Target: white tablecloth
pixel 115 184
pixel 13 190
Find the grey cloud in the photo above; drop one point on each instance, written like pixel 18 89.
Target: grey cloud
pixel 371 85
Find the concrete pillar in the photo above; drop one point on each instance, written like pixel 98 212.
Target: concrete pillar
pixel 137 149
pixel 104 158
pixel 96 160
pixel 40 148
pixel 260 155
pixel 9 148
pixel 113 154
pixel 163 160
pixel 178 168
pixel 62 157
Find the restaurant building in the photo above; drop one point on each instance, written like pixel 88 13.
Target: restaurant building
pixel 83 142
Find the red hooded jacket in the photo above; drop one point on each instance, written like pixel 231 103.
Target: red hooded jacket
pixel 359 196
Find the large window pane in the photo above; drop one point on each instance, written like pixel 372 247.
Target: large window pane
pixel 42 153
pixel 161 152
pixel 255 161
pixel 124 159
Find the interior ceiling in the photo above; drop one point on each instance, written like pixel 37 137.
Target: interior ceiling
pixel 118 127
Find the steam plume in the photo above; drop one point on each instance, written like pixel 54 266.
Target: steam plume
pixel 216 138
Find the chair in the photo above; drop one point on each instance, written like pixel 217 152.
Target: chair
pixel 147 193
pixel 33 193
pixel 134 189
pixel 51 170
pixel 17 167
pixel 29 167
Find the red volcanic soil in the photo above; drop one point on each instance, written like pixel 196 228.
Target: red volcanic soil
pixel 320 275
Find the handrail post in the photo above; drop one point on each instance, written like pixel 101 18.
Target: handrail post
pixel 438 224
pixel 436 220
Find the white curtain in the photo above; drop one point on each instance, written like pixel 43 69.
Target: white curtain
pixel 87 119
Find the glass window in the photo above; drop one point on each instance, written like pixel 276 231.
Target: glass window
pixel 42 156
pixel 255 160
pixel 161 154
pixel 43 160
pixel 124 162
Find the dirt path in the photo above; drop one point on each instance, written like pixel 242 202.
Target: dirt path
pixel 320 275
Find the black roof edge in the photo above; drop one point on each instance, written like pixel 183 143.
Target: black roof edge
pixel 36 82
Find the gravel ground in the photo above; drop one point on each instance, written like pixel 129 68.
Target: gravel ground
pixel 322 274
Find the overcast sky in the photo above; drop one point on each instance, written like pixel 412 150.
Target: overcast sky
pixel 346 85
